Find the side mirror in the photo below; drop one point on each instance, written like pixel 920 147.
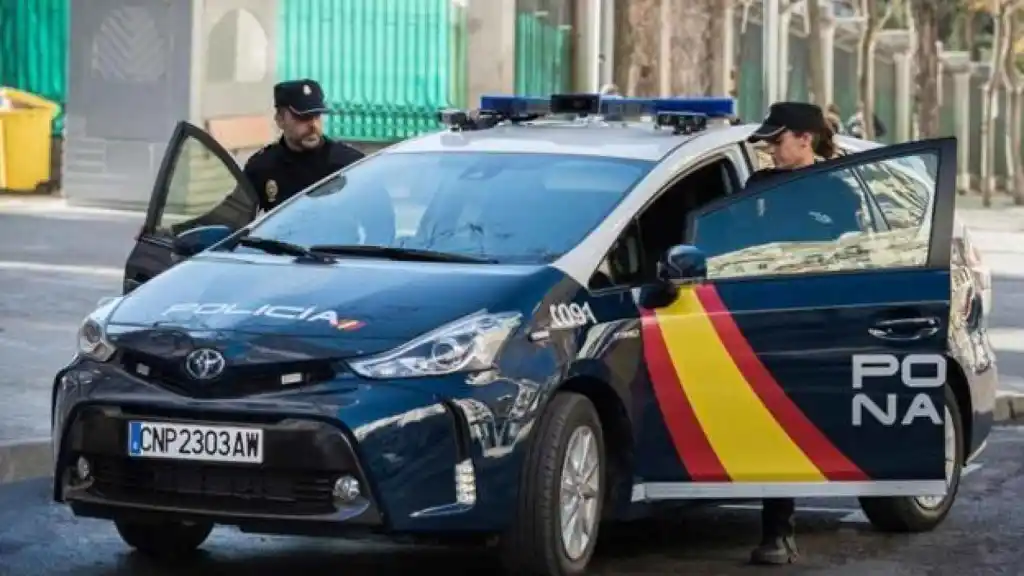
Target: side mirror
pixel 192 242
pixel 683 264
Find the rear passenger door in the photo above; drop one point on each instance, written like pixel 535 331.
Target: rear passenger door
pixel 809 362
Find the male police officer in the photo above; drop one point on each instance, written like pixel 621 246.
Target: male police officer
pixel 303 155
pixel 278 171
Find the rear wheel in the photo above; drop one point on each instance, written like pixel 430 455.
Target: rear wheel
pixel 561 493
pixel 164 540
pixel 924 513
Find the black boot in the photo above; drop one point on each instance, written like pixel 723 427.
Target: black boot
pixel 778 542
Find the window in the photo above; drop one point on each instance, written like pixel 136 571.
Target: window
pixel 201 190
pixel 820 222
pixel 902 188
pixel 512 208
pixel 633 258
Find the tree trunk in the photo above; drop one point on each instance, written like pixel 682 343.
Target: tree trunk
pixel 1009 78
pixel 866 67
pixel 926 23
pixel 692 44
pixel 815 57
pixel 637 39
pixel 1000 43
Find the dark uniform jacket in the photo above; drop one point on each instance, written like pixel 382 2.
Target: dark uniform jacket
pixel 277 172
pixel 815 209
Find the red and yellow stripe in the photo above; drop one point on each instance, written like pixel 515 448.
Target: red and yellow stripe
pixel 729 419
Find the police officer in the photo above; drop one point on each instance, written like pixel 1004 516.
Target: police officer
pixel 797 134
pixel 303 155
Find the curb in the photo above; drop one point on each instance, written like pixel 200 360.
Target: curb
pixel 27 460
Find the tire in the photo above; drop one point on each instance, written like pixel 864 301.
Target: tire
pixel 167 540
pixel 907 513
pixel 533 545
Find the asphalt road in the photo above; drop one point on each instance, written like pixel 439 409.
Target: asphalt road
pixel 981 536
pixel 54 267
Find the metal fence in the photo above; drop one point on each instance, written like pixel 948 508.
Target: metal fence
pixel 33 49
pixel 389 65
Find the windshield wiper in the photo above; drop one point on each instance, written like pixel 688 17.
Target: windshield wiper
pixel 271 246
pixel 393 253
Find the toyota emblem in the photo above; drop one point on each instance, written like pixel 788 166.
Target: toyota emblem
pixel 204 364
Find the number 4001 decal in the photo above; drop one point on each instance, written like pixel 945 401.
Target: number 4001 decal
pixel 573 315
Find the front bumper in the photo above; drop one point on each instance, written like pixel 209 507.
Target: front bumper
pixel 402 444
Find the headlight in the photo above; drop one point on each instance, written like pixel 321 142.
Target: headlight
pixel 469 344
pixel 92 338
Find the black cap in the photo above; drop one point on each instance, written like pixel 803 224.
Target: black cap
pixel 302 97
pixel 794 116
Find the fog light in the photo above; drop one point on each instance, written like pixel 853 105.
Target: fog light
pixel 465 483
pixel 82 468
pixel 346 490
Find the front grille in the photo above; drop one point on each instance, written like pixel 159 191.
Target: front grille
pixel 213 487
pixel 236 382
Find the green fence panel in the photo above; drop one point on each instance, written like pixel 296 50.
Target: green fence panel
pixel 885 98
pixel 388 66
pixel 799 74
pixel 844 82
pixel 749 88
pixel 34 49
pixel 543 57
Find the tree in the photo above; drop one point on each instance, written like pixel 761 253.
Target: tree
pixel 678 41
pixel 814 55
pixel 637 38
pixel 876 14
pixel 926 14
pixel 1002 13
pixel 1015 100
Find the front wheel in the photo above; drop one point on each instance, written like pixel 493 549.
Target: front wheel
pixel 168 540
pixel 924 513
pixel 561 493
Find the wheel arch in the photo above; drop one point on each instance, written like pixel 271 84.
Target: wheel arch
pixel 617 430
pixel 957 380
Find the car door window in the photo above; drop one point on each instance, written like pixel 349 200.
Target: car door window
pixel 199 183
pixel 811 224
pixel 902 189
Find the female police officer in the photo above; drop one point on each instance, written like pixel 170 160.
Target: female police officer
pixel 796 134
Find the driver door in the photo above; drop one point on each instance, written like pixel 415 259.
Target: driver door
pixel 198 184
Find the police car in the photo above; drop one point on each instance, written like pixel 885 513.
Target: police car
pixel 552 314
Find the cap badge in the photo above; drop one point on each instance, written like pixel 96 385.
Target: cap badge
pixel 306 89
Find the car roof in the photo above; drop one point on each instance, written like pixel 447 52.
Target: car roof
pixel 633 140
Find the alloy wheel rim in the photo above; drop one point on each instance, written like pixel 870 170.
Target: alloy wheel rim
pixel 579 492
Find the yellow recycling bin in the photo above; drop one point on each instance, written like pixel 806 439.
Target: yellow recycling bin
pixel 26 122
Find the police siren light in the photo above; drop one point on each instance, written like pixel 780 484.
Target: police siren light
pixel 586 104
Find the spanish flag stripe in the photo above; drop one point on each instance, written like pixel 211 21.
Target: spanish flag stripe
pixel 699 459
pixel 749 442
pixel 822 452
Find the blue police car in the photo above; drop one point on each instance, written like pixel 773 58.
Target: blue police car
pixel 550 315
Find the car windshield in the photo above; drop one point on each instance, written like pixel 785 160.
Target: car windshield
pixel 515 208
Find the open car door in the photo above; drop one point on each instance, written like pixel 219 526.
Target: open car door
pixel 198 184
pixel 813 358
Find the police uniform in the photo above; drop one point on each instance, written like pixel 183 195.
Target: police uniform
pixel 278 172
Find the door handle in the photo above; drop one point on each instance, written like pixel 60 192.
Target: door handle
pixel 905 329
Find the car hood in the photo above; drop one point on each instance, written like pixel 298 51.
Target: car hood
pixel 367 304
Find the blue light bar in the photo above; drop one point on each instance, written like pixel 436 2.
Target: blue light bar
pixel 707 106
pixel 513 106
pixel 519 106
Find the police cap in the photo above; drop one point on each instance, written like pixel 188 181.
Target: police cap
pixel 302 97
pixel 793 116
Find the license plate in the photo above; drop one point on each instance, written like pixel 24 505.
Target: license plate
pixel 193 442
